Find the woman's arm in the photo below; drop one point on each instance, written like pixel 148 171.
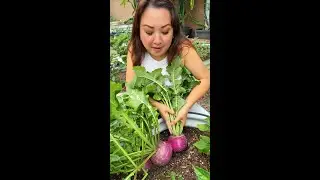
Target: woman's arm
pixel 129 71
pixel 196 66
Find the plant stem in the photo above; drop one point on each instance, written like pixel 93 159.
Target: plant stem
pixel 132 124
pixel 138 154
pixel 142 164
pixel 145 176
pixel 168 103
pixel 149 129
pixel 142 144
pixel 124 139
pixel 123 151
pixel 135 176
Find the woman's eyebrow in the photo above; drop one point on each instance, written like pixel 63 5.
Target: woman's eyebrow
pixel 147 26
pixel 165 25
pixel 153 27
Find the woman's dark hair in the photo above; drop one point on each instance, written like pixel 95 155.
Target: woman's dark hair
pixel 178 41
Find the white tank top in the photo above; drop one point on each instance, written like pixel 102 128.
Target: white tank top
pixel 151 64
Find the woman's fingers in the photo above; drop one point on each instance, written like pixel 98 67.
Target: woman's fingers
pixel 183 122
pixel 182 119
pixel 175 121
pixel 167 119
pixel 169 127
pixel 170 111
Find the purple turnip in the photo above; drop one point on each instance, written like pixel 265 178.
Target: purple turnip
pixel 178 143
pixel 163 154
pixel 148 164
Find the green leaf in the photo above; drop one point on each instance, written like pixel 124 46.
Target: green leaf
pixel 143 78
pixel 180 177
pixel 177 103
pixel 123 2
pixel 203 145
pixel 176 62
pixel 173 175
pixel 156 73
pixel 208 120
pixel 203 127
pixel 157 97
pixel 135 98
pixel 114 89
pixel 191 4
pixel 175 71
pixel 188 81
pixel 205 138
pixel 114 158
pixel 201 173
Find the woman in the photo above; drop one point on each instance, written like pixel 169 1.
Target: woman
pixel 155 41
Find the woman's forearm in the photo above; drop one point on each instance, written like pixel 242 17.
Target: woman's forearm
pixel 197 92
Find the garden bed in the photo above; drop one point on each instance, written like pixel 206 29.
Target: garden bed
pixel 207 41
pixel 180 163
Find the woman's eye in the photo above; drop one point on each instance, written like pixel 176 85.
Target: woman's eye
pixel 149 33
pixel 165 32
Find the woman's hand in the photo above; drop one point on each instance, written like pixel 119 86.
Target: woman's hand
pixel 164 112
pixel 181 116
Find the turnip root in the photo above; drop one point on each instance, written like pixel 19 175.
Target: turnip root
pixel 163 154
pixel 178 143
pixel 148 165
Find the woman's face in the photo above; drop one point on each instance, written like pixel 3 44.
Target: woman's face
pixel 156 32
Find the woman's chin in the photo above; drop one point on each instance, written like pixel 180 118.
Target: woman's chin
pixel 157 56
pixel 156 53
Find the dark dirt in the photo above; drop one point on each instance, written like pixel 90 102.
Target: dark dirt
pixel 180 163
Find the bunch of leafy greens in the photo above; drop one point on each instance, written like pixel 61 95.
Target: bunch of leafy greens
pixel 134 130
pixel 173 96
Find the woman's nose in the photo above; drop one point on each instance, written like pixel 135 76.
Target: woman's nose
pixel 157 39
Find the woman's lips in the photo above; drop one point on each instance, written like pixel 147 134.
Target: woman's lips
pixel 156 49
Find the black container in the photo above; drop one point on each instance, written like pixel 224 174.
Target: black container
pixel 202 34
pixel 187 31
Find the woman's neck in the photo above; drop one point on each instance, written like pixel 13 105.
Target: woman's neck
pixel 158 58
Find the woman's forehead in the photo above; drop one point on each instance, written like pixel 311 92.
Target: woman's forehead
pixel 155 17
